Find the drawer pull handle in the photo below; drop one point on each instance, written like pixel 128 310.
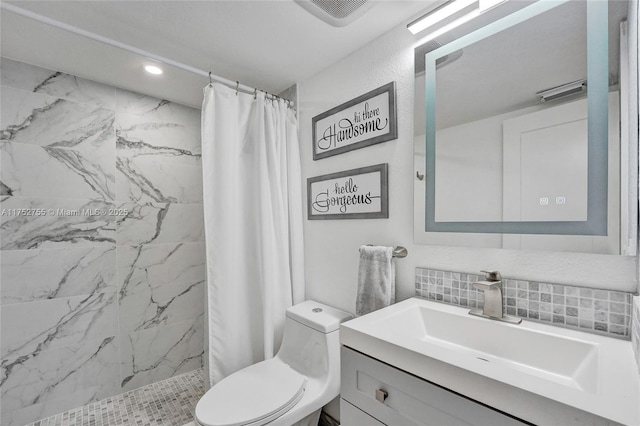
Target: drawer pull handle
pixel 381 395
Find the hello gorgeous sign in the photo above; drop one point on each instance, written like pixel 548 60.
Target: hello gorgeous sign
pixel 363 121
pixel 353 194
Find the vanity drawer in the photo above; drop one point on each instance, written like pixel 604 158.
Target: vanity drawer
pixel 397 398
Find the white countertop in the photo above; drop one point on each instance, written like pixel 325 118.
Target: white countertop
pixel 611 389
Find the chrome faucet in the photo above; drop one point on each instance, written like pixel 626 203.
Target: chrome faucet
pixel 493 302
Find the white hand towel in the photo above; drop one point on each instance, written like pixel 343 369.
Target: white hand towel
pixel 376 279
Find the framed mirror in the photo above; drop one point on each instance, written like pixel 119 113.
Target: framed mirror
pixel 521 133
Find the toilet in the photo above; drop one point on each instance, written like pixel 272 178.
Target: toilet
pixel 289 389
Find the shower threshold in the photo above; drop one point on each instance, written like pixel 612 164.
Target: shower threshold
pixel 169 402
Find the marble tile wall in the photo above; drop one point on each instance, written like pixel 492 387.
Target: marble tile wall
pixel 101 236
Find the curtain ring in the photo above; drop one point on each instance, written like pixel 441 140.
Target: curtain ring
pixel 237 87
pixel 210 79
pixel 255 94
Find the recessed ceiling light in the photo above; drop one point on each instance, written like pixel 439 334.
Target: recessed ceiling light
pixel 152 69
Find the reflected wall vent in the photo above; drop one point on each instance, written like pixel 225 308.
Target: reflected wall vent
pixel 563 90
pixel 336 12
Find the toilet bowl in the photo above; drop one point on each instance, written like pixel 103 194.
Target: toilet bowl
pixel 289 389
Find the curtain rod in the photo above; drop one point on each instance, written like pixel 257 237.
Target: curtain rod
pixel 97 37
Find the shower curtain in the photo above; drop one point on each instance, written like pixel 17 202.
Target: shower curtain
pixel 253 225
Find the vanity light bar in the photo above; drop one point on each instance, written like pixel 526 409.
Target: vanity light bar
pixel 485 5
pixel 448 9
pixel 563 90
pixel 446 28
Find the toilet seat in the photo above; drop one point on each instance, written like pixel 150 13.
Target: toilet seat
pixel 252 396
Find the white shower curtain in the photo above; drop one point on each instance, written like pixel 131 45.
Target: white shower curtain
pixel 253 225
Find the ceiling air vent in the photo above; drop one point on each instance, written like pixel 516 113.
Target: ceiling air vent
pixel 336 12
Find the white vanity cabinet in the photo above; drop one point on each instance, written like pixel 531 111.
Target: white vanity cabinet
pixel 374 393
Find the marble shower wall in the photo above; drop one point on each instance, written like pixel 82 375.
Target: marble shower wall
pixel 101 238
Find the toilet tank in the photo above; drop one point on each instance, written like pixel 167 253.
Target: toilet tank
pixel 311 337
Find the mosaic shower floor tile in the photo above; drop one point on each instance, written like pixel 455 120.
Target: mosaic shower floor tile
pixel 169 402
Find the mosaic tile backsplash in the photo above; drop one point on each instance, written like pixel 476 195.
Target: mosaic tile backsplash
pixel 635 329
pixel 598 311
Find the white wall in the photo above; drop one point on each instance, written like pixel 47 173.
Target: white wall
pixel 331 247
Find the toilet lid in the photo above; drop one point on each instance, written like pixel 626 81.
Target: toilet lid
pixel 252 396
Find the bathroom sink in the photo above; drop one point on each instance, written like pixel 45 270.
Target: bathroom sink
pixel 565 360
pixel 527 367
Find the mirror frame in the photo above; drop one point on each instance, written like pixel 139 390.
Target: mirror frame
pixel 597 127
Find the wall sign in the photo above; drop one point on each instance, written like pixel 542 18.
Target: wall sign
pixel 353 194
pixel 366 120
